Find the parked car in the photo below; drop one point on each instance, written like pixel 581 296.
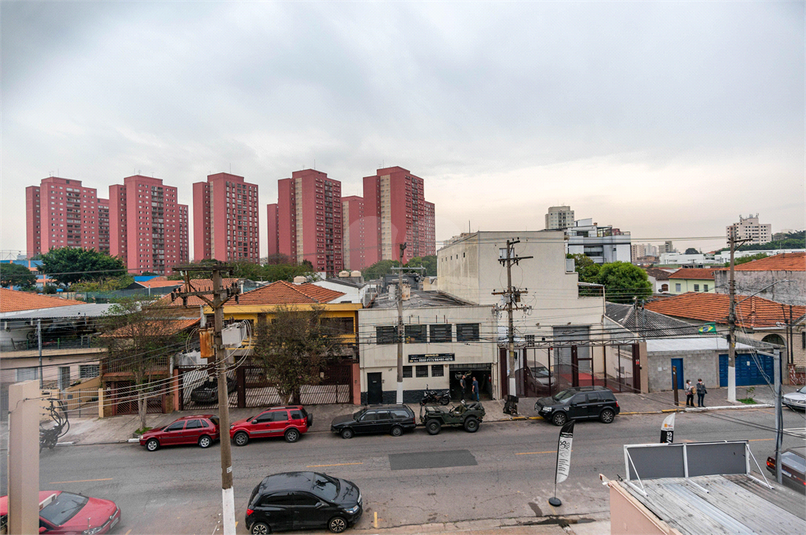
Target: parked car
pixel 208 391
pixel 579 403
pixel 290 421
pixel 796 400
pixel 467 415
pixel 793 467
pixel 202 429
pixel 303 500
pixel 63 512
pixel 392 419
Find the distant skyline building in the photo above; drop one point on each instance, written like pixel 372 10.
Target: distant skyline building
pixel 602 244
pixel 748 228
pixel 60 212
pixel 354 233
pixel 308 221
pixel 148 228
pixel 559 218
pixel 225 219
pixel 396 212
pixel 642 250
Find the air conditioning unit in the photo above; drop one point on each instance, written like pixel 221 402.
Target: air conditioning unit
pixel 233 335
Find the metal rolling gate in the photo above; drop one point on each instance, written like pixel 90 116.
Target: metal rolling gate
pixel 251 389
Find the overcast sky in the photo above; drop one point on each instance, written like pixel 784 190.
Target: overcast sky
pixel 664 119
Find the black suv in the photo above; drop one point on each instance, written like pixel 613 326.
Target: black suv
pixel 579 403
pixel 303 500
pixel 391 419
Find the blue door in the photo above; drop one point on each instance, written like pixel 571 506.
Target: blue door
pixel 750 369
pixel 678 363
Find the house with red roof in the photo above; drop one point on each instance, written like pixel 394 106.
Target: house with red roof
pixel 686 280
pixel 780 278
pixel 760 322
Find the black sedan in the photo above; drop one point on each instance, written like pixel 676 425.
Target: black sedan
pixel 303 500
pixel 208 391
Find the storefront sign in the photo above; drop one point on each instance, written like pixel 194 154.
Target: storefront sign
pixel 433 357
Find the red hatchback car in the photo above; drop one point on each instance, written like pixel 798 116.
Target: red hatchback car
pixel 65 513
pixel 202 429
pixel 290 422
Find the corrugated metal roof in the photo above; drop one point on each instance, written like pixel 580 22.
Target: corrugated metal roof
pixel 716 505
pixel 90 310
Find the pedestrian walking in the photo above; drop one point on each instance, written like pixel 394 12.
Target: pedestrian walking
pixel 689 394
pixel 701 391
pixel 463 385
pixel 475 388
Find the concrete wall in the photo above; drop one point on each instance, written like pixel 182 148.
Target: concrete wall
pixel 696 365
pixel 750 282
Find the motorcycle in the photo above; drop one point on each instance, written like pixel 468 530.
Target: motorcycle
pixel 49 436
pixel 435 396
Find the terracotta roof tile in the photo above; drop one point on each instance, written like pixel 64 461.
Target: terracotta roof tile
pixel 779 262
pixel 694 273
pixel 159 282
pixel 658 273
pixel 284 293
pixel 750 311
pixel 199 285
pixel 13 301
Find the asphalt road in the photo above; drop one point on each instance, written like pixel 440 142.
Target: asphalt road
pixel 504 470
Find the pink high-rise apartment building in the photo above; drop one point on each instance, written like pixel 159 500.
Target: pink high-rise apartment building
pixel 60 212
pixel 225 219
pixel 309 220
pixel 355 225
pixel 394 199
pixel 147 226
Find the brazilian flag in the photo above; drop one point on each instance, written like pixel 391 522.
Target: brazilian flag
pixel 707 328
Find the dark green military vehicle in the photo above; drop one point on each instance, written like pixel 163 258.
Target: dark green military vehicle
pixel 467 415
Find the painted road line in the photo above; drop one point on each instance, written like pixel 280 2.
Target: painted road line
pixel 80 481
pixel 324 465
pixel 535 452
pixel 797 431
pixel 759 439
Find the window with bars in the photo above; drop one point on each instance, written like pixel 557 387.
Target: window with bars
pixel 422 371
pixel 88 371
pixel 386 335
pixel 416 334
pixel 467 332
pixel 437 370
pixel 406 371
pixel 441 332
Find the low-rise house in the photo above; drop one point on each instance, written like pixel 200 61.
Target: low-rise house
pixel 692 280
pixel 659 278
pixel 780 278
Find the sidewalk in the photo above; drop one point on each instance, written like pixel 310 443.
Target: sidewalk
pixel 119 429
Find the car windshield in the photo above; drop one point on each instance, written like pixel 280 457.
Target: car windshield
pixel 540 371
pixel 563 396
pixel 325 486
pixel 357 415
pixel 63 507
pixel 802 390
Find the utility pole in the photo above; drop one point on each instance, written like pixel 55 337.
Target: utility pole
pixel 779 424
pixel 513 297
pixel 732 319
pixel 220 296
pixel 399 398
pixel 39 343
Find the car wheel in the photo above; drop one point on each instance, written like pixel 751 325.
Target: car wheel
pixel 346 433
pixel 241 438
pixel 152 445
pixel 205 441
pixel 433 427
pixel 337 524
pixel 471 425
pixel 559 418
pixel 260 528
pixel 607 416
pixel 396 431
pixel 445 400
pixel 292 435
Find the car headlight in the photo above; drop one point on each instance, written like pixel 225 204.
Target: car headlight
pixel 352 510
pixel 91 531
pixel 545 409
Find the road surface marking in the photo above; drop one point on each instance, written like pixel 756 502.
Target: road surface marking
pixel 337 464
pixel 375 522
pixel 127 533
pixel 535 452
pixel 79 481
pixel 759 439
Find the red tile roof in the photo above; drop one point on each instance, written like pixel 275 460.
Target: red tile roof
pixel 779 262
pixel 284 293
pixel 750 311
pixel 13 301
pixel 197 285
pixel 694 274
pixel 159 282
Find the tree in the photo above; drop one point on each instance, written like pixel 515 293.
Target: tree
pixel 16 275
pixel 746 259
pixel 139 339
pixel 104 285
pixel 428 262
pixel 692 250
pixel 292 349
pixel 379 269
pixel 623 282
pixel 69 264
pixel 588 269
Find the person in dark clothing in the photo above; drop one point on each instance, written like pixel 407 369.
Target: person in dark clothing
pixel 463 385
pixel 701 391
pixel 689 394
pixel 475 389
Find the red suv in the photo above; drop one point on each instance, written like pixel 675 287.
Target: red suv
pixel 289 422
pixel 201 429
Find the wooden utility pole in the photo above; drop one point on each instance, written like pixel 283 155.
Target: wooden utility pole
pixel 732 319
pixel 513 297
pixel 400 333
pixel 220 296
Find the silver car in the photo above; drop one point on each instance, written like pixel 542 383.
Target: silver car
pixel 796 400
